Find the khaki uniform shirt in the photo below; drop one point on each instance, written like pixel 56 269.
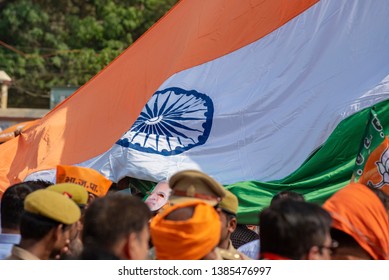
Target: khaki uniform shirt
pixel 232 254
pixel 18 253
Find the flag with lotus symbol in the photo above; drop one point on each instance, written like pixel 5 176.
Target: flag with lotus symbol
pixel 372 163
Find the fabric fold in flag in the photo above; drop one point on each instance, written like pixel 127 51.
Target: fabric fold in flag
pixel 256 113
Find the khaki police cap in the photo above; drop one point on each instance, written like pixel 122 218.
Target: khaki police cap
pixel 229 203
pixel 75 192
pixel 193 184
pixel 52 205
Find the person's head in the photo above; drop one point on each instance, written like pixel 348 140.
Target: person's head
pixel 186 231
pixel 192 185
pixel 159 196
pixel 358 212
pixel 12 203
pixel 228 211
pixel 296 230
pixel 48 219
pixel 287 195
pixel 79 195
pixel 118 224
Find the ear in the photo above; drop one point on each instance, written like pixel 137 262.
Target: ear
pixel 126 249
pixel 57 233
pixel 129 245
pixel 91 198
pixel 313 253
pixel 232 225
pixel 60 244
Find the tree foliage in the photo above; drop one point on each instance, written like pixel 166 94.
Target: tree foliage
pixel 48 43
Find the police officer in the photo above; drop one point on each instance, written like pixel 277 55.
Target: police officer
pixel 228 210
pixel 45 225
pixel 80 196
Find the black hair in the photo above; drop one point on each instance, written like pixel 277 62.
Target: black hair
pixel 287 195
pixel 290 228
pixel 36 227
pixel 12 202
pixel 112 217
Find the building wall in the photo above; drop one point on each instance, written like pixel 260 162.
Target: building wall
pixel 12 116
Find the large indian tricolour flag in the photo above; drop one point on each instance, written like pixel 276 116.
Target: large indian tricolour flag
pixel 263 95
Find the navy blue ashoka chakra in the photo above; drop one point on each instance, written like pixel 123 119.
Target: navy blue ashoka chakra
pixel 174 120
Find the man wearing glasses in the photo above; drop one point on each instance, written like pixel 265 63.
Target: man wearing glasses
pixel 295 230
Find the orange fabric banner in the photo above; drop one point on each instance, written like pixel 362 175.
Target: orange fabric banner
pixel 90 179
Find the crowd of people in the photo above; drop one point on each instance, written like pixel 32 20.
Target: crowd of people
pixel 191 216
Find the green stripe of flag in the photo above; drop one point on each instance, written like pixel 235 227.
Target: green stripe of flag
pixel 323 173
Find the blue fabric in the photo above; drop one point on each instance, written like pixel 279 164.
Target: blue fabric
pixel 251 249
pixel 6 243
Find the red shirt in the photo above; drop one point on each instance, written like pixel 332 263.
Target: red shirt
pixel 272 256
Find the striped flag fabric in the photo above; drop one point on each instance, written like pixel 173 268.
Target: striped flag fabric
pixel 262 95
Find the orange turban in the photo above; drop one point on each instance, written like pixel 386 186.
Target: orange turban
pixel 189 239
pixel 358 211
